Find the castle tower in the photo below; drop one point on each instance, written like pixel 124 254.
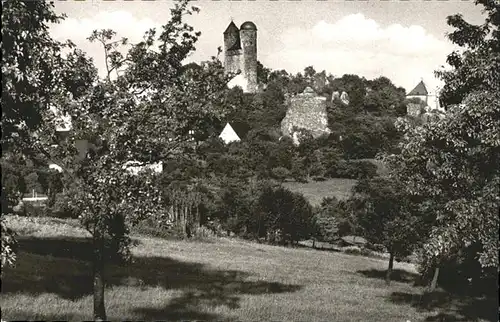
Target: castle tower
pixel 248 36
pixel 232 49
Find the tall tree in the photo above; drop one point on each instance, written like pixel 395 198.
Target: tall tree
pixel 35 75
pixel 383 213
pixel 147 109
pixel 477 65
pixel 453 163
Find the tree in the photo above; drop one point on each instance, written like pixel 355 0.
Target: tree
pixel 143 114
pixel 284 215
pixel 262 73
pixel 476 66
pixel 384 215
pixel 34 76
pixel 452 162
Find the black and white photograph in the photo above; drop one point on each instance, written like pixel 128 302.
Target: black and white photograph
pixel 250 160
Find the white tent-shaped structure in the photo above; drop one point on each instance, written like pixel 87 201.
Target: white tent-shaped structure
pixel 228 135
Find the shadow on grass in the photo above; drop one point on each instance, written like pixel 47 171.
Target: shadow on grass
pixel 451 307
pixel 398 275
pixel 62 267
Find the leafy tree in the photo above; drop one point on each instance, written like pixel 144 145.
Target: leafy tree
pixel 262 73
pixel 32 183
pixel 280 173
pixel 309 71
pixel 476 65
pixel 385 217
pixel 284 214
pixel 453 162
pixel 385 98
pixel 34 77
pixel 144 114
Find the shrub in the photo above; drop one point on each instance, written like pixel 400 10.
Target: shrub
pixel 34 209
pixel 62 207
pixel 353 170
pixel 280 173
pixel 203 234
pixel 355 250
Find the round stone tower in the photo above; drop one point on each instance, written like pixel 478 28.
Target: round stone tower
pixel 232 49
pixel 248 36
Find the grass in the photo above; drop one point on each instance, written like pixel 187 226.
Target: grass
pixel 315 191
pixel 225 281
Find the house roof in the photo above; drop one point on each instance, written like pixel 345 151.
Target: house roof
pixel 228 134
pixel 231 28
pixel 419 89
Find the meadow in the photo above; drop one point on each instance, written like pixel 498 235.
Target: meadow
pixel 315 191
pixel 218 279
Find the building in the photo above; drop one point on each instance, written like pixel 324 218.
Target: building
pixel 420 92
pixel 240 54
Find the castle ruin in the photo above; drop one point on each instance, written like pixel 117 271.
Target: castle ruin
pixel 306 111
pixel 240 54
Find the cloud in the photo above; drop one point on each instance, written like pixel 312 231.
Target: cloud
pixel 358 45
pixel 124 23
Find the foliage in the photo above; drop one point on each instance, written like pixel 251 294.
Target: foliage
pixel 326 224
pixel 453 164
pixel 475 67
pixel 386 216
pixel 352 169
pixel 144 114
pixel 34 76
pixel 9 245
pixel 284 215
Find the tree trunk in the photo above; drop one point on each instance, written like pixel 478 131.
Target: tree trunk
pixel 434 279
pixel 98 270
pixel 389 269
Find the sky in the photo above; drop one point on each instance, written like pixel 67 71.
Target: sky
pixel 402 40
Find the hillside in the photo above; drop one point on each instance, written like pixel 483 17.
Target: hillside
pixel 315 191
pixel 222 280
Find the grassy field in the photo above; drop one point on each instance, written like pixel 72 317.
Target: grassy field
pixel 315 191
pixel 223 280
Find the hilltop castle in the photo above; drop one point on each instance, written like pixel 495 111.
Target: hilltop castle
pixel 240 54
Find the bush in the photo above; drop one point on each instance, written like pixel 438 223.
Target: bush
pixel 280 173
pixel 62 208
pixel 34 209
pixel 203 234
pixel 353 170
pixel 153 228
pixel 356 250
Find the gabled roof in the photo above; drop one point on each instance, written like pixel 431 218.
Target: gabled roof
pixel 419 89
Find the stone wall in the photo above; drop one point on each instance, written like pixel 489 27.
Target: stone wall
pixel 306 111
